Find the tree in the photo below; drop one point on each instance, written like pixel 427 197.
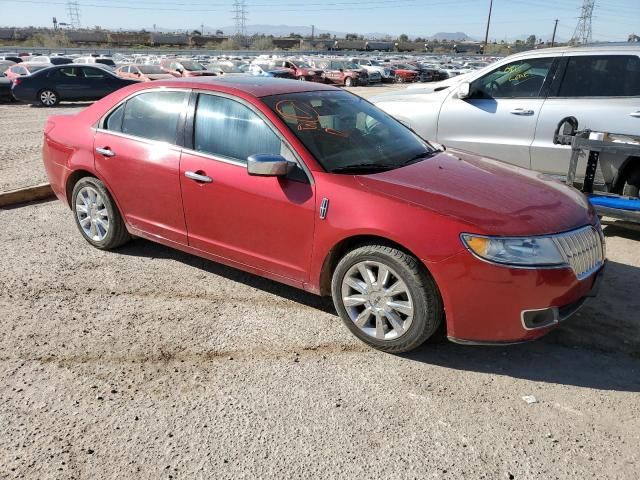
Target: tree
pixel 403 38
pixel 196 33
pixel 294 35
pixel 324 36
pixel 262 43
pixel 230 44
pixel 351 36
pixel 531 40
pixel 219 32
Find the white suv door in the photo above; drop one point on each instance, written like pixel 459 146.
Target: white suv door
pixel 499 118
pixel 602 91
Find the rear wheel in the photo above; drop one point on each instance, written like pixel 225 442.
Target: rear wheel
pixel 348 82
pixel 48 98
pixel 399 79
pixel 386 298
pixel 302 78
pixel 97 216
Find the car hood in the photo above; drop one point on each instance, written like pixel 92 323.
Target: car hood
pixel 491 197
pixel 411 95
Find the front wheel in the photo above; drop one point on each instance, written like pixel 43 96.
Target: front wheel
pixel 348 82
pixel 302 78
pixel 386 298
pixel 48 98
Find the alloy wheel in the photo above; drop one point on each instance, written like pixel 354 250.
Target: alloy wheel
pixel 377 300
pixel 92 214
pixel 48 98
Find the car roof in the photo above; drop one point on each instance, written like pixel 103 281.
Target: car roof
pixel 253 85
pixel 595 48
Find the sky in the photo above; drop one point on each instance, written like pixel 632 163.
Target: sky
pixel 613 20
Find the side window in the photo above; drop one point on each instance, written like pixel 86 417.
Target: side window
pixel 228 128
pixel 90 72
pixel 114 120
pixel 66 72
pixel 523 78
pixel 601 76
pixel 153 115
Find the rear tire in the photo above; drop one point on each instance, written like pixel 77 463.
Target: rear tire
pixel 386 298
pixel 48 98
pixel 97 216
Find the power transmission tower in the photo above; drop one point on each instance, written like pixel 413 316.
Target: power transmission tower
pixel 240 16
pixel 583 33
pixel 73 9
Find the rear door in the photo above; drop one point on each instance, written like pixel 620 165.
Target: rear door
pixel 69 82
pixel 100 82
pixel 265 223
pixel 499 118
pixel 601 91
pixel 138 156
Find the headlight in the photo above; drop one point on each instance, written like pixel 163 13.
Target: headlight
pixel 515 251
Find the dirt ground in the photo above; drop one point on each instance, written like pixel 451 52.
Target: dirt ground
pixel 149 363
pixel 21 138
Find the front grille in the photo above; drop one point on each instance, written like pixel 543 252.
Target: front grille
pixel 582 249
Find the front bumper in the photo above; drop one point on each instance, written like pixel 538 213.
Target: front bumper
pixel 488 304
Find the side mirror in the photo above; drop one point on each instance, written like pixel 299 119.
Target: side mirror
pixel 179 70
pixel 268 165
pixel 342 70
pixel 464 90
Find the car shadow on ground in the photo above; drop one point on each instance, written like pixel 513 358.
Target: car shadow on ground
pixel 599 348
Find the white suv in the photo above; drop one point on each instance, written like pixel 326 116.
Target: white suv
pixel 511 109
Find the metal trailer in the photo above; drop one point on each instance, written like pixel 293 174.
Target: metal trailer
pixel 587 142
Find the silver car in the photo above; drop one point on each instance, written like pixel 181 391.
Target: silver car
pixel 511 109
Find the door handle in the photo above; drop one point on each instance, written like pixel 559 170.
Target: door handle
pixel 106 152
pixel 635 114
pixel 522 112
pixel 198 177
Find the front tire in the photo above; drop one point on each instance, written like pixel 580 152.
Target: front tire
pixel 348 82
pixel 386 298
pixel 97 216
pixel 48 98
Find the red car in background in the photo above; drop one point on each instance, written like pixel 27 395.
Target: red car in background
pixel 401 73
pixel 146 73
pixel 317 188
pixel 302 70
pixel 185 68
pixel 340 72
pixel 22 69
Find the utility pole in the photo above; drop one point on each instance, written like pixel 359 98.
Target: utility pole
pixel 202 28
pixel 555 28
pixel 486 35
pixel 313 31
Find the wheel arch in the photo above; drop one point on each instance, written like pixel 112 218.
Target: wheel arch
pixel 629 165
pixel 73 178
pixel 346 245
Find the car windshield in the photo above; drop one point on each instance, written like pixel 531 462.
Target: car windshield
pixel 193 66
pixel 150 69
pixel 375 63
pixel 347 134
pixel 303 65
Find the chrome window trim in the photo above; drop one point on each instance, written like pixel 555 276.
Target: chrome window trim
pixel 217 158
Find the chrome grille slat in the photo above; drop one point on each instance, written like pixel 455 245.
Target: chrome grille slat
pixel 582 249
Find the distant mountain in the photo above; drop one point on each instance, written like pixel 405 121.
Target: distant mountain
pixel 450 36
pixel 277 30
pixel 305 30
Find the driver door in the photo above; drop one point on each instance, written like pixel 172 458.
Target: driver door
pixel 265 223
pixel 499 118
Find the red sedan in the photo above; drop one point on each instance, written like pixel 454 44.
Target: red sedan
pixel 315 187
